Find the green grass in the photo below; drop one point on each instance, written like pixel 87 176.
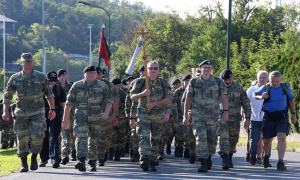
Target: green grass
pixel 290 146
pixel 10 162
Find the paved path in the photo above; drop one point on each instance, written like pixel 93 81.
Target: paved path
pixel 170 168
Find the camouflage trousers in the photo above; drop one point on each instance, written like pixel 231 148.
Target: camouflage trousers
pixel 205 130
pixel 134 141
pixel 30 128
pixel 104 139
pixel 67 139
pixel 121 133
pixel 166 134
pixel 229 135
pixel 180 133
pixel 87 137
pixel 191 140
pixel 149 131
pixel 8 135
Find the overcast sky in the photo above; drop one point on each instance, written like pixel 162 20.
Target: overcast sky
pixel 191 6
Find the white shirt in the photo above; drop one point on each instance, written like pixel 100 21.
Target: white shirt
pixel 256 105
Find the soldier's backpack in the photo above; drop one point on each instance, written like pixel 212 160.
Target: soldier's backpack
pixel 193 82
pixel 284 87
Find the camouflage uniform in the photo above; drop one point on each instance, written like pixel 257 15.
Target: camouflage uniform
pixel 8 136
pixel 205 111
pixel 229 131
pixel 67 135
pixel 30 109
pixel 89 101
pixel 149 124
pixel 106 129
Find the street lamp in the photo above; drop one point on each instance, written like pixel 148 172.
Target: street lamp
pixel 88 4
pixel 228 35
pixel 90 26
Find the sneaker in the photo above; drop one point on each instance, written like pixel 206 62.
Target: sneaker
pixel 252 160
pixel 258 161
pixel 247 158
pixel 281 166
pixel 265 161
pixel 43 163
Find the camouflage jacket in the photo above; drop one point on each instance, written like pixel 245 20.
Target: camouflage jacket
pixel 206 97
pixel 237 98
pixel 178 94
pixel 30 90
pixel 89 99
pixel 122 97
pixel 160 89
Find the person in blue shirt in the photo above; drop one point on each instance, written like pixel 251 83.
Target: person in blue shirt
pixel 277 102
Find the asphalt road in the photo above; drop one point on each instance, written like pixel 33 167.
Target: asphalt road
pixel 171 168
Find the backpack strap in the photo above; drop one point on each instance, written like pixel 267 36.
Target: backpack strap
pixel 193 82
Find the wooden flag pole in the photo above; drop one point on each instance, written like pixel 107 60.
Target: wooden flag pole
pixel 143 32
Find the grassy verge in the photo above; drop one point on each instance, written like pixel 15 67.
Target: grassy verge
pixel 290 146
pixel 10 162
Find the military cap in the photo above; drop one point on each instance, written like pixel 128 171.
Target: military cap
pixel 124 81
pixel 226 74
pixel 142 68
pixel 104 71
pixel 61 72
pixel 116 81
pixel 187 76
pixel 98 69
pixel 89 68
pixel 26 57
pixel 205 62
pixel 175 81
pixel 51 75
pixel 130 77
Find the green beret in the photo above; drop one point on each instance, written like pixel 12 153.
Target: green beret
pixel 205 62
pixel 26 57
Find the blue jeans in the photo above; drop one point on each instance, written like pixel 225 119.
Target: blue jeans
pixel 255 129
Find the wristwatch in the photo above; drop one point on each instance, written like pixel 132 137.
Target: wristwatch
pixel 293 112
pixel 52 109
pixel 225 110
pixel 114 114
pixel 131 118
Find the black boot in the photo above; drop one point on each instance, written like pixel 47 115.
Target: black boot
pixel 126 149
pixel 134 158
pixel 209 162
pixel 186 153
pixel 145 164
pixel 73 155
pixel 105 156
pixel 225 160
pixel 176 152
pixel 117 156
pixel 161 155
pixel 180 152
pixel 34 164
pixel 11 144
pixel 111 154
pixel 230 160
pixel 192 159
pixel 81 164
pixel 4 146
pixel 101 162
pixel 152 166
pixel 123 153
pixel 203 167
pixel 24 164
pixel 131 153
pixel 91 165
pixel 168 149
pixel 65 160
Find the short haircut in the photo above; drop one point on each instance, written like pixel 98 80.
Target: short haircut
pixel 275 74
pixel 152 62
pixel 260 72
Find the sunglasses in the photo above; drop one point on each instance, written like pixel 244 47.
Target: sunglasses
pixel 155 68
pixel 52 80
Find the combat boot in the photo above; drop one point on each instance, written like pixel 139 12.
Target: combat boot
pixel 4 146
pixel 180 152
pixel 203 167
pixel 91 165
pixel 34 164
pixel 176 154
pixel 209 162
pixel 73 155
pixel 101 162
pixel 161 155
pixel 43 163
pixel 24 164
pixel 152 166
pixel 122 152
pixel 230 160
pixel 65 160
pixel 117 156
pixel 192 159
pixel 81 164
pixel 134 158
pixel 168 149
pixel 11 144
pixel 126 149
pixel 131 153
pixel 225 160
pixel 186 153
pixel 111 154
pixel 145 164
pixel 105 156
